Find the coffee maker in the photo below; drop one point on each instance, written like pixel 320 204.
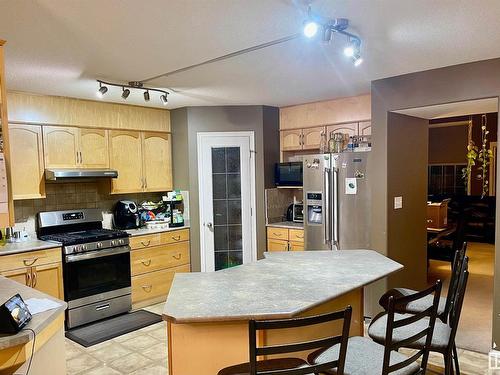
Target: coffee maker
pixel 126 215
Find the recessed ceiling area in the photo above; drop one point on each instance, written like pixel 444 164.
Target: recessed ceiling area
pixel 465 108
pixel 61 47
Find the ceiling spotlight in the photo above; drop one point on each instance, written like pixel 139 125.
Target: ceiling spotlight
pixel 310 29
pixel 349 51
pixel 357 59
pixel 146 95
pixel 125 93
pixel 102 90
pixel 164 99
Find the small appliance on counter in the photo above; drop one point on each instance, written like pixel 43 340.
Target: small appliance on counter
pixel 298 212
pixel 126 215
pixel 14 315
pixel 174 202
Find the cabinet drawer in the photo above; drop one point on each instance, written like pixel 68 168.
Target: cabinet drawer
pixel 159 257
pixel 277 245
pixel 31 258
pixel 175 236
pixel 296 246
pixel 277 233
pixel 296 235
pixel 154 284
pixel 141 242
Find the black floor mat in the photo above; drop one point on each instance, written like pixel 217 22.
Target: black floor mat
pixel 95 333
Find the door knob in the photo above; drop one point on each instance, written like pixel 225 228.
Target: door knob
pixel 209 225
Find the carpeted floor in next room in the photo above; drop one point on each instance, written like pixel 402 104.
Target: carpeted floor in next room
pixel 474 332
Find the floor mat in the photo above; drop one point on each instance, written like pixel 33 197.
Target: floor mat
pixel 95 333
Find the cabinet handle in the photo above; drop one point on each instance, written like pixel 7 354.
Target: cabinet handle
pixel 288 247
pixel 28 278
pixel 29 262
pixel 277 234
pixel 81 158
pixel 147 288
pixel 145 183
pixel 34 279
pixel 299 236
pixel 146 244
pixel 178 256
pixel 176 238
pixel 146 263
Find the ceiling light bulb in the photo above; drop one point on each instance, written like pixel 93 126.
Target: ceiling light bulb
pixel 357 60
pixel 349 51
pixel 146 96
pixel 102 90
pixel 125 93
pixel 164 99
pixel 310 29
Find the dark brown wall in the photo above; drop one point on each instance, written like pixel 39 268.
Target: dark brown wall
pixel 445 85
pixel 407 172
pixel 447 145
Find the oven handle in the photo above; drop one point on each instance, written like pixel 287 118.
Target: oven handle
pixel 97 254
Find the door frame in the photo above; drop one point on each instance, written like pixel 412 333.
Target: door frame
pixel 199 138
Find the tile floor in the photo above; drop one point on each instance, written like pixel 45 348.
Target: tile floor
pixel 144 352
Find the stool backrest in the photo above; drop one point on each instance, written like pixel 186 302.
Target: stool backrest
pixel 456 306
pixel 428 315
pixel 321 343
pixel 456 269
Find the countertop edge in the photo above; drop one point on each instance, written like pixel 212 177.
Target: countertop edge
pixel 46 245
pixel 145 231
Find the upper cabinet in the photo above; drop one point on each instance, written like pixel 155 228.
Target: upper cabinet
pixel 61 147
pixel 301 139
pixel 94 148
pixel 351 129
pixel 291 140
pixel 126 157
pixel 365 128
pixel 27 157
pixel 70 147
pixel 311 137
pixel 157 156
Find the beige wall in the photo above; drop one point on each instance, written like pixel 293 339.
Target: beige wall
pixel 57 110
pixel 438 86
pixel 351 109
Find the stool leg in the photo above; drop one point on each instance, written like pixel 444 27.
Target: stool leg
pixel 455 355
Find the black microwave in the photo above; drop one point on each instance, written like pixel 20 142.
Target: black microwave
pixel 288 174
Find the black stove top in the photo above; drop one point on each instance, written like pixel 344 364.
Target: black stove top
pixel 84 236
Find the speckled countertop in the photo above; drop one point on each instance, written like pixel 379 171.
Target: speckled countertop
pixel 38 323
pixel 143 231
pixel 7 248
pixel 287 224
pixel 280 286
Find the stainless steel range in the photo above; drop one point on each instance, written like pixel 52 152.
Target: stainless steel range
pixel 96 264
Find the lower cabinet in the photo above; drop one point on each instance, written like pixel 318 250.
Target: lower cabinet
pixel 154 261
pixel 283 239
pixel 41 270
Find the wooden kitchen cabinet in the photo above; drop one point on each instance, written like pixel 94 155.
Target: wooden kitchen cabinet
pixel 41 269
pixel 365 128
pixel 351 129
pixel 291 140
pixel 94 148
pixel 126 157
pixel 27 176
pixel 284 239
pixel 155 259
pixel 60 147
pixel 157 161
pixel 311 137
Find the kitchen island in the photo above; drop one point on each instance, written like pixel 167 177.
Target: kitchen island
pixel 207 313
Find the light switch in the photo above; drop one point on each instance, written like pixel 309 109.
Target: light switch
pixel 398 203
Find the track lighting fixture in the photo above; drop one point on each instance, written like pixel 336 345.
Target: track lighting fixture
pixel 310 29
pixel 102 90
pixel 125 93
pixel 138 85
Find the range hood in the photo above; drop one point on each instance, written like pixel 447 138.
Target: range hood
pixel 57 174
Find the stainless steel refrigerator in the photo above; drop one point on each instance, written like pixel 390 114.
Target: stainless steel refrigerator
pixel 337 201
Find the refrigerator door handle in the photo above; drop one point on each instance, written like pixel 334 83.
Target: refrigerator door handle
pixel 326 214
pixel 335 226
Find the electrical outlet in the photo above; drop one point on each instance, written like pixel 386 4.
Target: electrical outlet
pixel 398 203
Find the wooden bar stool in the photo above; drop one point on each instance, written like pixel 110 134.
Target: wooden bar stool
pixel 366 357
pixel 292 365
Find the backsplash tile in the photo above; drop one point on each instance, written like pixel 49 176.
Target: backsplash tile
pixel 277 202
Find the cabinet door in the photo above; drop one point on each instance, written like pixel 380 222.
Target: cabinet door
pixel 365 128
pixel 296 246
pixel 126 158
pixel 60 147
pixel 277 245
pixel 311 137
pixel 291 140
pixel 94 148
pixel 48 279
pixel 157 156
pixel 26 152
pixel 351 129
pixel 21 275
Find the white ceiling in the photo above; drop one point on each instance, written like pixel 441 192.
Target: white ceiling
pixel 465 108
pixel 60 47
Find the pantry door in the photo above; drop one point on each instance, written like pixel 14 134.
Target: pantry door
pixel 226 175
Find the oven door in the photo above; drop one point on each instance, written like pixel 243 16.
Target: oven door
pixel 97 273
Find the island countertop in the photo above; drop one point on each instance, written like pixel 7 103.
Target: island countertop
pixel 283 285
